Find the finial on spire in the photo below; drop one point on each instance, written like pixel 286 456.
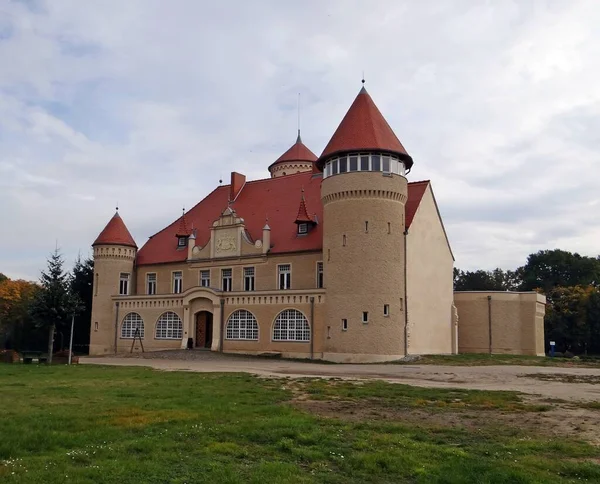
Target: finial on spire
pixel 117 206
pixel 299 140
pixel 363 78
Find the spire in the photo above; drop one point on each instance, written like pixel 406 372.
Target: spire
pixel 364 129
pixel 115 233
pixel 297 152
pixel 183 230
pixel 303 216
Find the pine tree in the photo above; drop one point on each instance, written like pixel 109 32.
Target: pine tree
pixel 53 304
pixel 81 285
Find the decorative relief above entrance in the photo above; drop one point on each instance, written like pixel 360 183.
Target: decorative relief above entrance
pixel 226 244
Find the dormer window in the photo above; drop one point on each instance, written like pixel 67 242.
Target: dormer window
pixel 303 228
pixel 181 241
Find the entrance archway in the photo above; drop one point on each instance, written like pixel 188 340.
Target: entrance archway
pixel 204 329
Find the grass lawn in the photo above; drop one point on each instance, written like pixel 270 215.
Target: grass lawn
pixel 92 424
pixel 479 359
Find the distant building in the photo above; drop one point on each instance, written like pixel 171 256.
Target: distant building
pixel 337 257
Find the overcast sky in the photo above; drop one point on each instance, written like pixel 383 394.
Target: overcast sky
pixel 149 102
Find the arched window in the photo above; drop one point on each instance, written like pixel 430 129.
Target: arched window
pixel 131 322
pixel 242 325
pixel 291 325
pixel 169 326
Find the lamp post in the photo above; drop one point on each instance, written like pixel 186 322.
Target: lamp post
pixel 71 339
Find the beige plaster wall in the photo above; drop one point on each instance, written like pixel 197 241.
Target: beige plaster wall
pixel 290 168
pixel 364 268
pixel 517 322
pixel 429 282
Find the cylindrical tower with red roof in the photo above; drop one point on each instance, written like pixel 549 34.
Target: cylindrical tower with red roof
pixel 364 191
pixel 114 259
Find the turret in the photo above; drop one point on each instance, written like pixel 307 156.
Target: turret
pixel 295 160
pixel 364 191
pixel 114 257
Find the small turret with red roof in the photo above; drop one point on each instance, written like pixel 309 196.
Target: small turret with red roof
pixel 115 233
pixel 295 160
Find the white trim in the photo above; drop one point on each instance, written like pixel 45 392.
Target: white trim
pixel 277 280
pixel 253 278
pixel 155 283
pixel 173 282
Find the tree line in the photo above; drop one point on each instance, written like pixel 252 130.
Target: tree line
pixel 36 316
pixel 571 284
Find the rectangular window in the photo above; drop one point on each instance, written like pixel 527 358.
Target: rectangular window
pixel 124 284
pixel 365 318
pixel 319 275
pixel 226 280
pixel 375 163
pixel 395 168
pixel 182 242
pixel 335 167
pixel 386 309
pixel 205 278
pixel 302 228
pixel 386 165
pixel 248 278
pixel 353 163
pixel 285 276
pixel 344 325
pixel 364 163
pixel 177 282
pixel 151 283
pixel 343 164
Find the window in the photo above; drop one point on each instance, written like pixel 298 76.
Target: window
pixel 96 326
pixel 248 279
pixel 344 240
pixel 124 284
pixel 242 325
pixel 205 278
pixel 319 275
pixel 343 164
pixel 151 283
pixel 96 285
pixel 177 282
pixel 302 228
pixel 285 276
pixel 181 241
pixel 131 323
pixel 335 167
pixel 169 326
pixel 353 163
pixel 386 165
pixel 364 163
pixel 291 325
pixel 375 163
pixel 344 325
pixel 386 309
pixel 226 279
pixel 365 318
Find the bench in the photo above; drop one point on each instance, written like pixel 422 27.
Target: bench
pixel 29 356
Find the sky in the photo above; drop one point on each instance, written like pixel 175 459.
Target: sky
pixel 147 104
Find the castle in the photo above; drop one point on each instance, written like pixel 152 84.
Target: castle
pixel 336 257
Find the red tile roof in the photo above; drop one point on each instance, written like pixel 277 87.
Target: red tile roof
pixel 363 129
pixel 275 198
pixel 297 152
pixel 303 215
pixel 183 230
pixel 116 233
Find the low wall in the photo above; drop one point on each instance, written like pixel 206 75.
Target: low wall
pixel 516 320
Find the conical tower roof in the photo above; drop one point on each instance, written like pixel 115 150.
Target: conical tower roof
pixel 364 129
pixel 297 152
pixel 303 215
pixel 115 233
pixel 183 230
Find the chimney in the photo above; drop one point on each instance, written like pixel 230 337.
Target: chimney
pixel 237 183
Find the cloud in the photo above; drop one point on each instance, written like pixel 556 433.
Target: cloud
pixel 147 104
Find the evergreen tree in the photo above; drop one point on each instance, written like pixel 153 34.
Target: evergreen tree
pixel 53 304
pixel 81 285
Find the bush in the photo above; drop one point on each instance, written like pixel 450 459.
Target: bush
pixel 9 356
pixel 568 354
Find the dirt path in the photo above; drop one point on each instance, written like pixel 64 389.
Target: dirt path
pixel 574 384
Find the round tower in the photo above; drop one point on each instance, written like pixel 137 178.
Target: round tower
pixel 114 260
pixel 295 160
pixel 364 192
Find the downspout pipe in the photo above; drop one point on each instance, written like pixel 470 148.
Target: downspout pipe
pixel 116 324
pixel 222 325
pixel 489 299
pixel 405 298
pixel 312 327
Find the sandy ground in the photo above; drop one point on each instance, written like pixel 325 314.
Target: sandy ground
pixel 571 384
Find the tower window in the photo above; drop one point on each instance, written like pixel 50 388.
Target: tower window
pixel 344 325
pixel 96 285
pixel 365 317
pixel 96 326
pixel 226 279
pixel 151 283
pixel 124 283
pixel 353 163
pixel 366 226
pixel 364 163
pixel 389 228
pixel 302 228
pixel 344 240
pixel 335 167
pixel 319 275
pixel 375 163
pixel 177 282
pixel 386 309
pixel 386 165
pixel 248 278
pixel 343 164
pixel 205 278
pixel 285 276
pixel 328 255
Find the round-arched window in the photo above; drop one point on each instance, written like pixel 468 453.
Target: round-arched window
pixel 169 326
pixel 131 323
pixel 242 325
pixel 291 325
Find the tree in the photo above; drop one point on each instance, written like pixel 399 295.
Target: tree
pixel 547 269
pixel 480 280
pixel 15 320
pixel 2 277
pixel 54 303
pixel 81 285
